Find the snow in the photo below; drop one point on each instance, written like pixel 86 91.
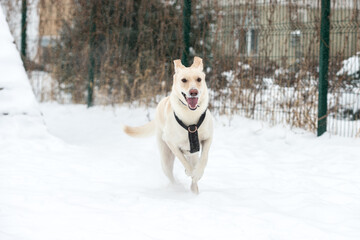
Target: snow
pixel 280 71
pixel 350 66
pixel 296 32
pixel 229 76
pixel 16 96
pixel 85 179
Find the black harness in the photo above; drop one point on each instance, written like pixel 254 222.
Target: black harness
pixel 192 132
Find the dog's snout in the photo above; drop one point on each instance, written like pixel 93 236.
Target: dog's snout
pixel 193 92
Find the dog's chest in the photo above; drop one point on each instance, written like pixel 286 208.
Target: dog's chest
pixel 179 137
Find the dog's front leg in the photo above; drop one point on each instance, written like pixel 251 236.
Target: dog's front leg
pixel 181 157
pixel 200 166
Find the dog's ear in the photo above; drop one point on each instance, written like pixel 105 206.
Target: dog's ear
pixel 198 63
pixel 178 65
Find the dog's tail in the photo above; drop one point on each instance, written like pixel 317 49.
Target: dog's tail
pixel 146 130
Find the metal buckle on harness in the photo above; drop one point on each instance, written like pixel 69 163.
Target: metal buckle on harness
pixel 190 131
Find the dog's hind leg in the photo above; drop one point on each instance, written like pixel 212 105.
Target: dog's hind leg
pixel 167 159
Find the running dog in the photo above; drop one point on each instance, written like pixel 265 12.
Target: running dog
pixel 183 123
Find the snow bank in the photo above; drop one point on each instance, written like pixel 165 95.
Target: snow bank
pixel 16 96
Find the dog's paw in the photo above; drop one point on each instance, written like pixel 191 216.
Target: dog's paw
pixel 194 188
pixel 189 172
pixel 197 174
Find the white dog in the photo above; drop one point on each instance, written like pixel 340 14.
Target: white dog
pixel 182 124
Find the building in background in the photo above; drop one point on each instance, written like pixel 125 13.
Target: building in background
pixel 52 15
pixel 286 29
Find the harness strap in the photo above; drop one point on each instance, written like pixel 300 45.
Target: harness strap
pixel 201 119
pixel 192 132
pixel 182 102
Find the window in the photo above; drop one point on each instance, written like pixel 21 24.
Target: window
pixel 46 45
pixel 248 36
pixel 295 43
pixel 295 37
pixel 252 39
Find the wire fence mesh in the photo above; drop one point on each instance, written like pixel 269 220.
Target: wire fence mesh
pixel 261 56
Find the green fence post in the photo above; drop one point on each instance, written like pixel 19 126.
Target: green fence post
pixel 323 65
pixel 23 30
pixel 186 32
pixel 90 102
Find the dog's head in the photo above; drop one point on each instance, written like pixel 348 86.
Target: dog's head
pixel 189 83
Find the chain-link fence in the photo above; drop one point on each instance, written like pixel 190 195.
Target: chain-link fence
pixel 261 56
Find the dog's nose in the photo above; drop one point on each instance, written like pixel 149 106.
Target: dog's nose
pixel 193 92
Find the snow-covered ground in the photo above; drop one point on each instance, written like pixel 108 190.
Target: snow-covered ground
pixel 85 179
pixel 73 174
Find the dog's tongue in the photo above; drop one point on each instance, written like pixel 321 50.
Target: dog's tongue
pixel 192 102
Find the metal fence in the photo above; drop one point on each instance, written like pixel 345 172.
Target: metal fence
pixel 261 56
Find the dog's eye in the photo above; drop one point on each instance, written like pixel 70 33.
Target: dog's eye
pixel 183 80
pixel 199 79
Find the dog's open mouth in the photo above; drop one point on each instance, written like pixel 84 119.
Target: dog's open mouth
pixel 191 101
